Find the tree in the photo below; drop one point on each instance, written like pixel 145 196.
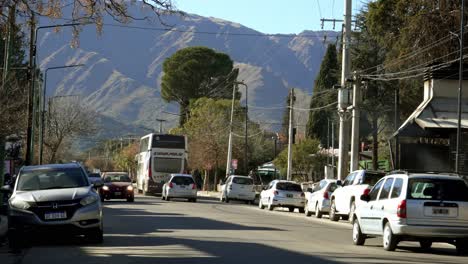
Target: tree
pixel 67 119
pixel 323 96
pixel 125 159
pixel 196 72
pixel 302 161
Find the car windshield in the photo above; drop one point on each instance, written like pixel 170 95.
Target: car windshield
pixel 242 180
pixel 56 178
pixel 371 178
pixel 438 189
pixel 94 175
pixel 117 178
pixel 288 186
pixel 180 180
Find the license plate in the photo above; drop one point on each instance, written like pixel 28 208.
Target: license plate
pixel 440 211
pixel 117 193
pixel 55 215
pixel 289 195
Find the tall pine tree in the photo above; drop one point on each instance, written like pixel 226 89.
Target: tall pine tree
pixel 317 126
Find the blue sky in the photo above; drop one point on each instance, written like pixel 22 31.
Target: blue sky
pixel 270 16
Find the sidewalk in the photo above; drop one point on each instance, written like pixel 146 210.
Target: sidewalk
pixel 208 194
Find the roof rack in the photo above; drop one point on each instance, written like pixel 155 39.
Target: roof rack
pixel 423 171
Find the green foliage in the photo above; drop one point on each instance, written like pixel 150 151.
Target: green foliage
pixel 196 72
pixel 302 161
pixel 327 77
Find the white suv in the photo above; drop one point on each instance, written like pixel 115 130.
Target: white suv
pixel 344 200
pixel 415 207
pixel 238 188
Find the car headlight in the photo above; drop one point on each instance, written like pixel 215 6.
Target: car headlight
pixel 88 200
pixel 130 188
pixel 20 204
pixel 105 188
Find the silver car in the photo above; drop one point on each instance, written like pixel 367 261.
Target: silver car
pixel 281 193
pixel 318 198
pixel 180 186
pixel 415 207
pixel 49 198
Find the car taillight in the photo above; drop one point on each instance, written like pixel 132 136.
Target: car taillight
pixel 326 196
pixel 171 185
pixel 401 209
pixel 150 171
pixel 194 186
pixel 366 192
pixel 275 192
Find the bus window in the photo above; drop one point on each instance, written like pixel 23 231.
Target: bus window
pixel 144 144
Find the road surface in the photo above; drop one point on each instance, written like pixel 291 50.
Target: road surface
pixel 210 232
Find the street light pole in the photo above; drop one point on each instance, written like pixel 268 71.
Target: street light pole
pixel 460 86
pixel 42 121
pixel 33 65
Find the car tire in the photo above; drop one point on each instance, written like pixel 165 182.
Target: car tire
pixel 131 199
pixel 95 236
pixel 301 210
pixel 270 206
pixel 194 200
pixel 252 202
pixel 291 209
pixel 462 246
pixel 306 210
pixel 352 208
pixel 247 202
pixel 425 244
pixel 333 216
pixel 260 204
pixel 226 199
pixel 389 240
pixel 163 197
pixel 358 237
pixel 167 198
pixel 318 213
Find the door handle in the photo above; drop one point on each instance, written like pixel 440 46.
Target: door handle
pixel 383 207
pixel 372 207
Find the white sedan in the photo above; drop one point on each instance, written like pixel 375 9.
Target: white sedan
pixel 281 193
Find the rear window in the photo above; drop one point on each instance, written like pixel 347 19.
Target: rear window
pixel 287 186
pixel 371 178
pixel 182 180
pixel 245 181
pixel 117 178
pixel 438 189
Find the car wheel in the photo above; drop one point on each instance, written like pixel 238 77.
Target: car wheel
pixel 425 244
pixel 252 202
pixel 291 209
pixel 358 237
pixel 194 200
pixel 306 209
pixel 167 198
pixel 130 199
pixel 390 241
pixel 226 199
pixel 462 246
pixel 333 216
pixel 95 236
pixel 318 213
pixel 260 204
pixel 270 206
pixel 352 208
pixel 301 210
pixel 247 202
pixel 163 197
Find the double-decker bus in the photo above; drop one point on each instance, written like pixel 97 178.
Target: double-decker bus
pixel 159 156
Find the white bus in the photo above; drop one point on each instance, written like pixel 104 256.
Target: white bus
pixel 159 156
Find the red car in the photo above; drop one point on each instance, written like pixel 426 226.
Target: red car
pixel 117 185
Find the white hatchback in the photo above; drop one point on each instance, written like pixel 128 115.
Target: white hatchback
pixel 180 186
pixel 281 193
pixel 318 198
pixel 414 207
pixel 238 188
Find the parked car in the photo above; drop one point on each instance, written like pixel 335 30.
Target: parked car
pixel 180 186
pixel 53 197
pixel 94 177
pixel 238 188
pixel 317 200
pixel 344 200
pixel 416 207
pixel 117 185
pixel 280 193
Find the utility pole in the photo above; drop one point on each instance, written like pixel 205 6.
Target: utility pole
pixel 460 86
pixel 343 94
pixel 290 136
pixel 396 163
pixel 30 131
pixel 355 123
pixel 229 154
pixel 333 146
pixel 161 124
pixel 246 124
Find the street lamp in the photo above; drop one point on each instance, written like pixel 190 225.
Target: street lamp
pixel 31 116
pixel 42 121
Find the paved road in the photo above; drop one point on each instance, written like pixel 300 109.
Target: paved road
pixel 209 232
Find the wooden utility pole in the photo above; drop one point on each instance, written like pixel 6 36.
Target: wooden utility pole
pixel 290 136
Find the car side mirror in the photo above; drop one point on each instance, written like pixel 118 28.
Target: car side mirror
pixel 6 189
pixel 98 184
pixel 365 197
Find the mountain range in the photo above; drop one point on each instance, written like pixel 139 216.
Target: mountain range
pixel 122 68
